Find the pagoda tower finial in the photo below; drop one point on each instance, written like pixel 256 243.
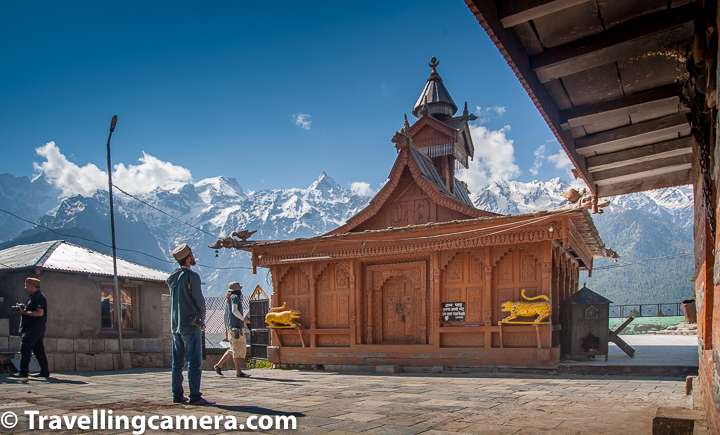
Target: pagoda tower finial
pixel 406 126
pixel 435 97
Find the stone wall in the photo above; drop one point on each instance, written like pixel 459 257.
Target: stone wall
pixel 98 354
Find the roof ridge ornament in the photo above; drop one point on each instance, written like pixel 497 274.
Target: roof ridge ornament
pixel 433 64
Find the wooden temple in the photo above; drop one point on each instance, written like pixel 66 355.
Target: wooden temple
pixel 419 277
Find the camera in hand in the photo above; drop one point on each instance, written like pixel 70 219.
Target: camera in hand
pixel 18 307
pixel 197 321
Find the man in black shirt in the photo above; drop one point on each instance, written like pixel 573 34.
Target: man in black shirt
pixel 32 328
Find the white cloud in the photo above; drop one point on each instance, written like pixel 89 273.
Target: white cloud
pixel 494 158
pixel 485 113
pixel 86 180
pixel 69 177
pixel 361 188
pixel 540 154
pixel 302 119
pixel 150 174
pixel 560 160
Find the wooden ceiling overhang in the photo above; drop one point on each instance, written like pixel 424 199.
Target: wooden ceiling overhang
pixel 572 229
pixel 607 78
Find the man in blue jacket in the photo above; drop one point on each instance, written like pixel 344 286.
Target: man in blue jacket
pixel 187 323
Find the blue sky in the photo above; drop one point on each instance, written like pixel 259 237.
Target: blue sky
pixel 271 93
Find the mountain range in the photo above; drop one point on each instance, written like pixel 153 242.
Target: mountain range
pixel 639 226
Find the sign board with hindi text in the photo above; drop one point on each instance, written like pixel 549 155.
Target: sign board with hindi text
pixel 453 311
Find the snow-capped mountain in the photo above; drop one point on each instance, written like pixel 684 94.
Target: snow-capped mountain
pixel 673 204
pixel 149 225
pixel 24 198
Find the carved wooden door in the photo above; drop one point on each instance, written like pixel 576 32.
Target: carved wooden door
pixel 398 296
pixel 396 303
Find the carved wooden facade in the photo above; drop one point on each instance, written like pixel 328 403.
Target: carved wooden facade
pixel 375 297
pixel 372 291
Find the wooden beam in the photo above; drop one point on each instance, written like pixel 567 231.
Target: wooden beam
pixel 517 58
pixel 516 12
pixel 622 107
pixel 631 136
pixel 679 178
pixel 643 170
pixel 634 37
pixel 634 156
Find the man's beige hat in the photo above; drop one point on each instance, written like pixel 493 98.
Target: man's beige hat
pixel 234 286
pixel 181 252
pixel 33 281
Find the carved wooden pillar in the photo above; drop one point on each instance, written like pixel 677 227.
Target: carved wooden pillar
pixel 276 295
pixel 353 308
pixel 435 304
pixel 488 299
pixel 369 292
pixel 312 282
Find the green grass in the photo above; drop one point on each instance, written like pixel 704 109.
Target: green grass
pixel 258 364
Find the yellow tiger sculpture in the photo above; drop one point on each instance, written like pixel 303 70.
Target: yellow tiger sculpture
pixel 277 318
pixel 527 309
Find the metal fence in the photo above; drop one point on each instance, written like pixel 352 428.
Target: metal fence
pixel 215 320
pixel 647 310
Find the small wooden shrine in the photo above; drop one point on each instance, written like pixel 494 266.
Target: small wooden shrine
pixel 420 277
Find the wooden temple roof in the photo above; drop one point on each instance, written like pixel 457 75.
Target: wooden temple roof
pixel 425 174
pixel 607 77
pixel 583 240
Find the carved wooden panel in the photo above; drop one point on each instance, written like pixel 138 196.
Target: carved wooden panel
pixel 289 283
pixel 477 262
pixel 474 304
pixel 342 274
pixel 462 340
pixel 520 339
pixel 323 340
pixel 325 313
pixel 324 280
pixel 304 307
pixel 498 252
pixel 528 266
pixel 343 310
pixel 454 269
pixel 399 214
pixel 304 285
pixel 320 268
pixel 445 257
pixel 305 271
pixel 530 292
pixel 293 340
pixel 422 211
pixel 452 295
pixel 505 269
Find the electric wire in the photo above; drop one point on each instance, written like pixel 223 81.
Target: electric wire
pixel 165 213
pixel 666 257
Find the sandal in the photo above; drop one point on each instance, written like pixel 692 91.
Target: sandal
pixel 242 375
pixel 218 370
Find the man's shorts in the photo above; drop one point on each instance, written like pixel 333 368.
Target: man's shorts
pixel 237 345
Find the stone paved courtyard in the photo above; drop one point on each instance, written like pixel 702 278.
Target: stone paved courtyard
pixel 338 403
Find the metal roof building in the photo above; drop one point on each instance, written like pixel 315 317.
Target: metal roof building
pixel 59 255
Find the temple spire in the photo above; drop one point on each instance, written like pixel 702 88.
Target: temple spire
pixel 440 104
